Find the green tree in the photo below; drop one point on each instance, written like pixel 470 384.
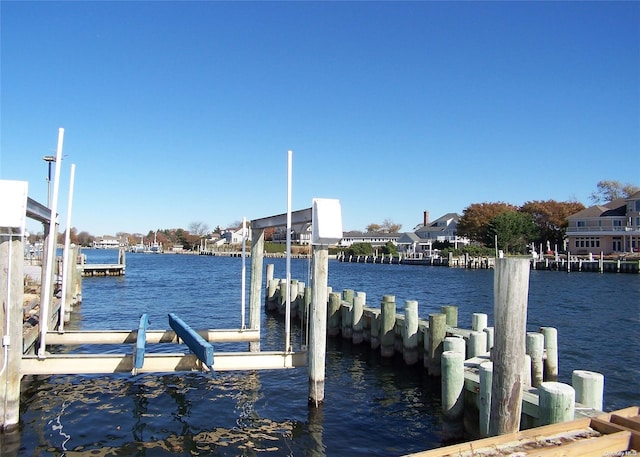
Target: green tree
pixel 514 230
pixel 390 248
pixel 360 249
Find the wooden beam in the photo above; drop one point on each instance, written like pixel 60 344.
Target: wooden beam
pixel 200 347
pixel 153 336
pixel 154 363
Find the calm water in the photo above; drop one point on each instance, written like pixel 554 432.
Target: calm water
pixel 372 407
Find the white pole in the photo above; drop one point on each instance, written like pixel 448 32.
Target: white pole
pixel 67 242
pixel 51 251
pixel 244 269
pixel 287 323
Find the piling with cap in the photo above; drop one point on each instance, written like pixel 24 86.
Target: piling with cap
pixel 556 402
pixel 436 334
pixel 452 383
pixel 358 317
pixel 410 334
pixel 387 330
pixel 589 387
pixel 551 349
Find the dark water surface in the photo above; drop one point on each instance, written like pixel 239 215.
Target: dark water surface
pixel 372 407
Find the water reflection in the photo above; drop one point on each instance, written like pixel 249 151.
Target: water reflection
pixel 157 414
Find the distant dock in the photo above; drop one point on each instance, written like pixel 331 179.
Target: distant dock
pixel 105 269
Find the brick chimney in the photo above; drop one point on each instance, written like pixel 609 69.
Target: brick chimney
pixel 426 218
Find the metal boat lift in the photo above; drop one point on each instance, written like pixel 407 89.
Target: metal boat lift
pixel 325 218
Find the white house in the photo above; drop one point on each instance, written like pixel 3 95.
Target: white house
pixel 443 229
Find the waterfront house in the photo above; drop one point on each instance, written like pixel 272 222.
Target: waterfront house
pixel 302 237
pixel 375 239
pixel 443 229
pixel 109 242
pixel 612 228
pixel 234 235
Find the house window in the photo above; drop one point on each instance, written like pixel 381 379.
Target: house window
pixel 580 224
pixel 637 205
pixel 617 223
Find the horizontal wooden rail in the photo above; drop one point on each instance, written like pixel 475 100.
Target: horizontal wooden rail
pixel 154 362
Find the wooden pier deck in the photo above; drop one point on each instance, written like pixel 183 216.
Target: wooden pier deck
pixel 609 434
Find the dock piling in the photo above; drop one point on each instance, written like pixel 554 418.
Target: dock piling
pixel 452 382
pixel 556 402
pixel 511 288
pixel 589 388
pixel 388 321
pixel 410 336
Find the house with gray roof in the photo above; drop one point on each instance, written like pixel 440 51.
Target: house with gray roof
pixel 609 229
pixel 420 242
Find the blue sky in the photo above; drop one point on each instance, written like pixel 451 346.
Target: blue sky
pixel 177 112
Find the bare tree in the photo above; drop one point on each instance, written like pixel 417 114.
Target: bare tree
pixel 198 228
pixel 609 190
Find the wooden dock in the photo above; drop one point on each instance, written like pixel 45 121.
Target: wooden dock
pixel 609 434
pixel 103 269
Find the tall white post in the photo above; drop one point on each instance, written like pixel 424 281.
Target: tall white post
pixel 287 315
pixel 244 272
pixel 67 249
pixel 46 292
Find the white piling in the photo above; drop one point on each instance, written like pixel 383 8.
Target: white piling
pixel 477 344
pixel 551 348
pixel 589 387
pixel 358 317
pixel 556 402
pixel 479 322
pixel 388 322
pixel 452 382
pixel 535 349
pixel 410 334
pixel 456 344
pixel 490 333
pixel 484 397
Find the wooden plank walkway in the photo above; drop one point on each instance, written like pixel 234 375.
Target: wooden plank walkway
pixel 609 434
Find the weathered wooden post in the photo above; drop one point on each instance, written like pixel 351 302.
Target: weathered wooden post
pixel 347 314
pixel 451 311
pixel 358 318
pixel 334 315
pixel 535 349
pixel 11 290
pixel 318 324
pixel 257 260
pixel 388 320
pixel 410 336
pixel 490 335
pixel 455 344
pixel 551 348
pixel 511 287
pixel 484 397
pixel 589 387
pixel 437 332
pixel 452 383
pixel 13 209
pixel 326 229
pixel 477 344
